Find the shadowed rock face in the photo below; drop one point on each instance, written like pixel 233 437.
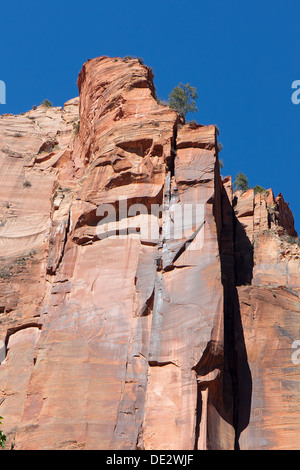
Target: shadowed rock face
pixel 265 373
pixel 120 327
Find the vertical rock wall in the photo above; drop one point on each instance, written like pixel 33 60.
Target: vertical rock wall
pixel 139 309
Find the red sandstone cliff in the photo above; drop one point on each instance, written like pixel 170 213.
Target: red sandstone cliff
pixel 125 340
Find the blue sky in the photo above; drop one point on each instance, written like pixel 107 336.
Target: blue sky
pixel 241 56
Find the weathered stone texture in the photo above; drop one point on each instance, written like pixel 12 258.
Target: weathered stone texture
pixel 114 336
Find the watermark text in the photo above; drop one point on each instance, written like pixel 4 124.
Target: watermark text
pixel 2 92
pixel 154 223
pixel 296 93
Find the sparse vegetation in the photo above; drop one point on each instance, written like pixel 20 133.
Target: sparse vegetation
pixel 2 436
pixel 291 240
pixel 47 103
pixel 241 182
pixel 163 102
pixel 129 57
pixel 76 127
pixel 22 260
pixel 221 163
pixel 220 146
pixel 27 184
pixel 259 189
pixel 182 99
pixel 5 273
pixel 17 134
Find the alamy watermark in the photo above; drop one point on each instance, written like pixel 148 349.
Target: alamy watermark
pixel 296 94
pixel 2 92
pixel 296 354
pixel 154 223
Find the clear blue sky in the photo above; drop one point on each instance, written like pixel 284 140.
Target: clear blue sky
pixel 241 56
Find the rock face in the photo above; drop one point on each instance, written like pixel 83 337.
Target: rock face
pixel 143 304
pixel 269 307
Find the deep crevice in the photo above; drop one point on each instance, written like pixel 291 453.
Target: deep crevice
pixel 171 159
pixel 50 270
pixel 198 416
pixel 237 380
pixel 243 254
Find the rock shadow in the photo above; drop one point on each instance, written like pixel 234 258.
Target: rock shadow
pixel 236 254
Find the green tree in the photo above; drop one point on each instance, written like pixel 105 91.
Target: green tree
pixel 2 436
pixel 182 99
pixel 259 189
pixel 241 182
pixel 47 103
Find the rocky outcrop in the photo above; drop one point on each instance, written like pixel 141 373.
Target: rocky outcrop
pixel 133 281
pixel 269 308
pixel 267 246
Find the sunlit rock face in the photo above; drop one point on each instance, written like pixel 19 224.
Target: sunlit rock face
pixel 143 304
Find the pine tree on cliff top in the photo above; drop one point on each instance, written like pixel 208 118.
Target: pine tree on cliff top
pixel 182 99
pixel 241 182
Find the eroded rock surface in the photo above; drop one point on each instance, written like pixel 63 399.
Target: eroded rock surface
pixel 133 281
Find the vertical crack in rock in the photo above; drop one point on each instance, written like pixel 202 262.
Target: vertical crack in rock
pixel 66 231
pixel 193 178
pixel 171 162
pixel 199 407
pixel 60 228
pixel 237 375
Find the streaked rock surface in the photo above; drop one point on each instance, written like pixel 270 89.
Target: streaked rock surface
pixel 119 327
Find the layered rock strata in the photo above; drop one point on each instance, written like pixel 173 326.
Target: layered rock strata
pixel 133 281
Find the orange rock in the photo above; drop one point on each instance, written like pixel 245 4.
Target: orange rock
pixel 265 377
pixel 143 304
pixel 270 320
